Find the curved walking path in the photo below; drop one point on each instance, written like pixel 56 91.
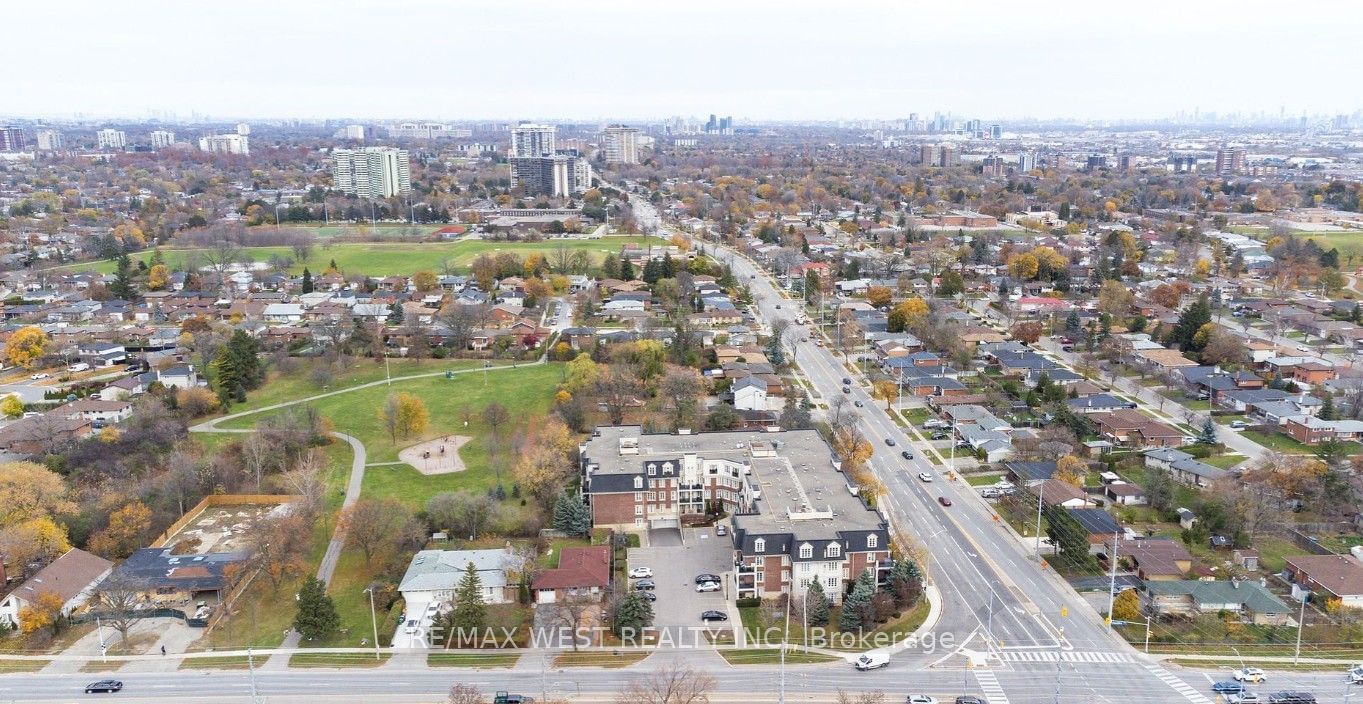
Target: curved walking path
pixel 279 659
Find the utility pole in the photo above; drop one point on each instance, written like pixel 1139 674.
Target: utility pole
pixel 251 670
pixel 373 618
pixel 1301 621
pixel 1147 634
pixel 785 637
pixel 1112 581
pixel 1041 499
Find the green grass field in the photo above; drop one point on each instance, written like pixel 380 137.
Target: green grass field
pixel 279 388
pixel 525 392
pixel 385 259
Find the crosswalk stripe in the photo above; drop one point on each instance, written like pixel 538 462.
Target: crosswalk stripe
pixel 989 684
pixel 1178 685
pixel 1073 656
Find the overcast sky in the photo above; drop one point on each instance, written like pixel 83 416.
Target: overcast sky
pixel 592 59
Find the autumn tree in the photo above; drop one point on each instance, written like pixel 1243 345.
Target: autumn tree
pixel 278 545
pixel 425 280
pixel 1071 470
pixel 12 406
pixel 42 610
pixel 887 390
pixel 1115 299
pixel 403 415
pixel 378 524
pixel 545 465
pixel 1028 332
pixel 124 534
pixel 906 314
pixel 879 296
pixel 157 277
pixel 26 346
pixel 1024 267
pixel 1127 606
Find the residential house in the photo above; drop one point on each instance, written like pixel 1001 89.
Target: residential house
pixel 1123 494
pixel 582 573
pixel 1098 524
pixel 72 577
pixel 1183 467
pixel 1133 428
pixel 1158 559
pixel 165 578
pixel 1250 601
pixel 1054 492
pixel 434 575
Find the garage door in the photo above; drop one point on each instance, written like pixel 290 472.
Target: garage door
pixel 546 596
pixel 654 523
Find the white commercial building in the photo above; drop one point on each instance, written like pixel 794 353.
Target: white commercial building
pixel 353 132
pixel 427 130
pixel 111 139
pixel 372 172
pixel 558 175
pixel 621 144
pixel 529 140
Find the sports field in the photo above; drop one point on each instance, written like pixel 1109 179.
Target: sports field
pixel 389 259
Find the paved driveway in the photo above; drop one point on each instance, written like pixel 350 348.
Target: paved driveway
pixel 674 571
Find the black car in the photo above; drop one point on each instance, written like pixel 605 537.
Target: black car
pixel 858 403
pixel 968 699
pixel 103 686
pixel 703 578
pixel 889 441
pixel 846 381
pixel 648 596
pixel 847 389
pixel 1292 698
pixel 713 615
pixel 644 585
pixel 906 455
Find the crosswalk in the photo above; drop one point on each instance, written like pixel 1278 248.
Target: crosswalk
pixel 1063 656
pixel 989 684
pixel 1179 685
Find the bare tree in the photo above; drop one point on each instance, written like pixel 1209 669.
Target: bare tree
pixel 616 390
pixel 671 684
pixel 461 693
pixel 302 247
pixel 259 454
pixel 278 544
pixel 876 697
pixel 117 602
pixel 572 612
pixel 220 257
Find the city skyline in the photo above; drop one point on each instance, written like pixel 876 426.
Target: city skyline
pixel 998 62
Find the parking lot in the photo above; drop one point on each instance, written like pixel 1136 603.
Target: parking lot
pixel 674 571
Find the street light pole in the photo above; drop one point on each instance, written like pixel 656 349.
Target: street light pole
pixel 1041 499
pixel 373 619
pixel 1112 581
pixel 1301 621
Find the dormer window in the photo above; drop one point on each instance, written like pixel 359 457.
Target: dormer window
pixel 638 482
pixel 806 551
pixel 759 545
pixel 872 541
pixel 652 469
pixel 833 550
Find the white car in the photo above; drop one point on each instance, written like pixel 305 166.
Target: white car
pixel 872 661
pixel 1356 675
pixel 924 477
pixel 1249 674
pixel 707 587
pixel 640 572
pixel 412 626
pixel 40 375
pixel 921 699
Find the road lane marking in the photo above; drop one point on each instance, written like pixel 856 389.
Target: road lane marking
pixel 1178 685
pixel 989 684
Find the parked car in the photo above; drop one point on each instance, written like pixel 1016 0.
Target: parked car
pixel 713 615
pixel 412 626
pixel 707 577
pixel 935 423
pixel 721 530
pixel 644 584
pixel 906 455
pixel 707 587
pixel 944 501
pixel 104 686
pixel 648 596
pixel 78 367
pixel 40 375
pixel 1356 675
pixel 872 661
pixel 1227 687
pixel 1249 674
pixel 941 435
pixel 432 609
pixel 1237 425
pixel 924 477
pixel 640 572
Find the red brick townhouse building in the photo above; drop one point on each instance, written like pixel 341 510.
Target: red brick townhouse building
pixel 794 519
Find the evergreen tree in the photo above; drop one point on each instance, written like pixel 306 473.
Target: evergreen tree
pixel 776 354
pixel 816 604
pixel 226 378
pixel 1069 537
pixel 571 515
pixel 395 314
pixel 626 270
pixel 470 614
pixel 652 272
pixel 157 257
pixel 245 352
pixel 123 288
pixel 633 614
pixel 316 617
pixel 1196 315
pixel 1327 409
pixel 307 280
pixel 856 608
pixel 1207 436
pixel 668 268
pixel 1073 326
pixel 905 582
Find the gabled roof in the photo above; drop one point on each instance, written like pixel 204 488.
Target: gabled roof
pixel 578 567
pixel 66 576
